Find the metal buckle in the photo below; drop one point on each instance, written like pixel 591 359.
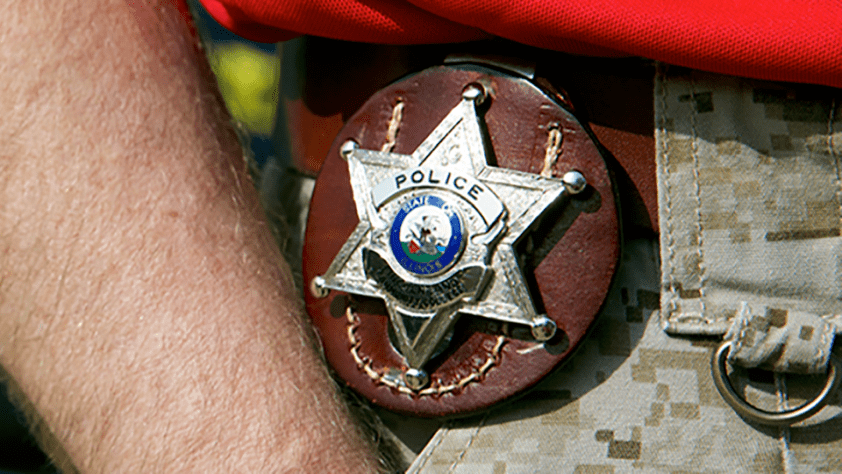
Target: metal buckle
pixel 782 418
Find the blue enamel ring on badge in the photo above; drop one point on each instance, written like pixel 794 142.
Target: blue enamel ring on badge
pixel 426 235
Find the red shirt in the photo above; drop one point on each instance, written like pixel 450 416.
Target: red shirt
pixel 784 40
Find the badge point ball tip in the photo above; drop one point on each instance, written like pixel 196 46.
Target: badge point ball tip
pixel 543 328
pixel 347 148
pixel 317 287
pixel 416 379
pixel 574 181
pixel 474 92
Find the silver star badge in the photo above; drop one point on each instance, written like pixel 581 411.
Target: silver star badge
pixel 436 233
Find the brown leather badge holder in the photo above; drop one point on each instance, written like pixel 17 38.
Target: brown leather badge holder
pixel 463 234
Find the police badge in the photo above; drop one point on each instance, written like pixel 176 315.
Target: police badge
pixel 485 240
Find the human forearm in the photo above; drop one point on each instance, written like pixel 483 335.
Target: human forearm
pixel 144 310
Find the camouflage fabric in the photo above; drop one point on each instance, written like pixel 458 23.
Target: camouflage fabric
pixel 750 220
pixel 749 198
pixel 635 399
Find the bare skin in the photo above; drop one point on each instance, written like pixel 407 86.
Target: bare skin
pixel 145 314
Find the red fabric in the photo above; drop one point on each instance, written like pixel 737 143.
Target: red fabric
pixel 785 40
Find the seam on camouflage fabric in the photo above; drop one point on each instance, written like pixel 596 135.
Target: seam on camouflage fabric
pixel 787 458
pixel 781 391
pixel 833 156
pixel 430 449
pixel 662 140
pixel 469 443
pixel 394 126
pixel 364 364
pixel 697 190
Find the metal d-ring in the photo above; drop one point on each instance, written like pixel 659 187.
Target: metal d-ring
pixel 775 418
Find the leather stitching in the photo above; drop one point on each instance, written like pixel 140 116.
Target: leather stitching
pixel 394 126
pixel 380 376
pixel 553 149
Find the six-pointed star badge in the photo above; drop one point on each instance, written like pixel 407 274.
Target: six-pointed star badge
pixel 436 236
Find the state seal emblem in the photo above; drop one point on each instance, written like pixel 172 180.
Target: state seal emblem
pixel 426 235
pixel 470 245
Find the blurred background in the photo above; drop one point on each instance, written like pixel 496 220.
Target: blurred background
pixel 247 74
